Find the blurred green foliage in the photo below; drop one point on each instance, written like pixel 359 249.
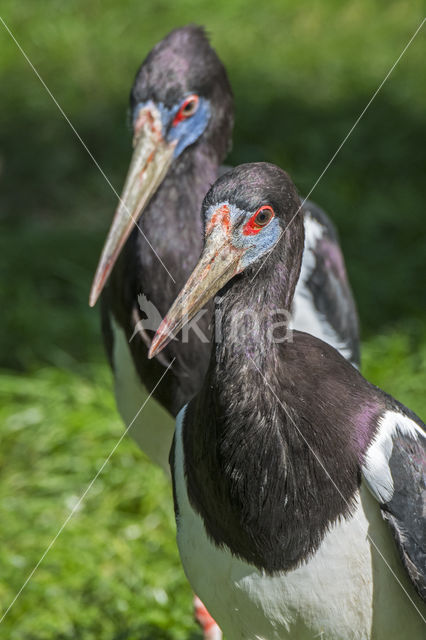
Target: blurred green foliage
pixel 302 72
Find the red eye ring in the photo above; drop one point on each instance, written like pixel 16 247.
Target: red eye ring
pixel 259 220
pixel 187 109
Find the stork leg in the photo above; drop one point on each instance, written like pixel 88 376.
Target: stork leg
pixel 210 629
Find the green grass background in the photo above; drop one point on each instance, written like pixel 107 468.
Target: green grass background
pixel 302 72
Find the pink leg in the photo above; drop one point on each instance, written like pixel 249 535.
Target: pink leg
pixel 210 629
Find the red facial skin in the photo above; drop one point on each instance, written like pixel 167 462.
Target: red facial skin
pixel 252 228
pixel 221 215
pixel 145 116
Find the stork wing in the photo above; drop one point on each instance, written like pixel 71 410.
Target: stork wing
pixel 395 472
pixel 324 277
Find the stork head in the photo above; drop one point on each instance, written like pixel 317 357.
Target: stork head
pixel 181 94
pixel 249 212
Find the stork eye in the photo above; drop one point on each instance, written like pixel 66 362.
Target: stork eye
pixel 260 219
pixel 190 106
pixel 187 109
pixel 263 216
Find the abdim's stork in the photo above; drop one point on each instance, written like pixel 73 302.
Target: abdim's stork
pixel 286 459
pixel 182 114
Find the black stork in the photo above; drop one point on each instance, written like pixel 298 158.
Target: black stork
pixel 291 472
pixel 182 112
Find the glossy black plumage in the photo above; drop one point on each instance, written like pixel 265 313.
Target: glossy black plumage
pixel 282 435
pixel 227 473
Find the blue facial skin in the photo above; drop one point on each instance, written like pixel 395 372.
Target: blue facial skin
pixel 256 245
pixel 187 131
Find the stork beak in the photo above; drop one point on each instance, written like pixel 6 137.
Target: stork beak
pixel 151 159
pixel 219 262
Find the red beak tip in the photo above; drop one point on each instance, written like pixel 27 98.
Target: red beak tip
pixel 156 345
pixel 153 348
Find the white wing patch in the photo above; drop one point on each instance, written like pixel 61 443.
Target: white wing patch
pixel 376 465
pixel 305 316
pixel 314 231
